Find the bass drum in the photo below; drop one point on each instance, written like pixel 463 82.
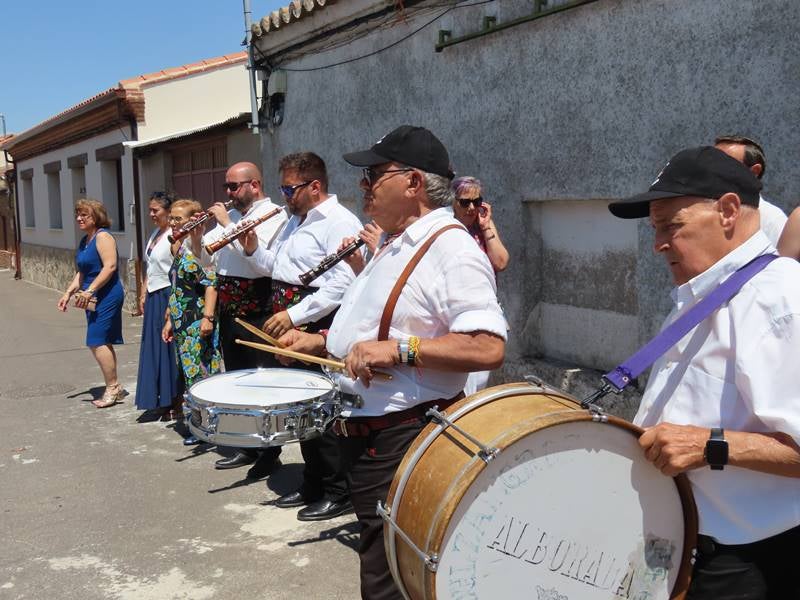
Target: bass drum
pixel 560 504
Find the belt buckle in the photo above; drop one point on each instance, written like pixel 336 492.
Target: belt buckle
pixel 340 427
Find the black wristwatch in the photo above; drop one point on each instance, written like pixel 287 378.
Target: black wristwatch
pixel 211 318
pixel 717 449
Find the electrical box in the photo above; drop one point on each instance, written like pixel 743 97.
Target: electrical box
pixel 277 83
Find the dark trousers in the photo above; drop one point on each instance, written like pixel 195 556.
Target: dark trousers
pixel 763 570
pixel 322 475
pixel 371 463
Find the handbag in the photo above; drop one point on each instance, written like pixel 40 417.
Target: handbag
pixel 91 306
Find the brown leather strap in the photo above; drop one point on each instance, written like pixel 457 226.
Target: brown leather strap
pixel 394 296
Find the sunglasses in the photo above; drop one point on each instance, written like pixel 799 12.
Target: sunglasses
pixel 371 176
pixel 476 202
pixel 289 190
pixel 232 186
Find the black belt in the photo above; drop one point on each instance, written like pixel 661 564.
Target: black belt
pixel 709 546
pixel 364 426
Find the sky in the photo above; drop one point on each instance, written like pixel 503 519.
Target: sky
pixel 57 53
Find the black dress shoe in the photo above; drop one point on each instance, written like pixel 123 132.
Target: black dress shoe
pixel 239 459
pixel 191 440
pixel 324 509
pixel 291 500
pixel 263 467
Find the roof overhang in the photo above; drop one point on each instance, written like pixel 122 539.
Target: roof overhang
pixel 143 148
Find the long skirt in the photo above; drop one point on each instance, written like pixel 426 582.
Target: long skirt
pixel 158 381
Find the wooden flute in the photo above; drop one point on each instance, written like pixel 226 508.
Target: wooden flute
pixel 196 222
pixel 330 261
pixel 241 227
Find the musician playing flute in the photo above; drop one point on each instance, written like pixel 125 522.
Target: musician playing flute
pixel 445 323
pixel 243 291
pixel 314 231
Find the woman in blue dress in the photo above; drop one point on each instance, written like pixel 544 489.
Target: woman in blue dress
pixel 158 384
pixel 98 290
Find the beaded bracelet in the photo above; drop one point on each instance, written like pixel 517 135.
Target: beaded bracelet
pixel 413 350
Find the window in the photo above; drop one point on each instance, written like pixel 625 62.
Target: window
pixel 27 196
pixel 54 199
pixel 111 184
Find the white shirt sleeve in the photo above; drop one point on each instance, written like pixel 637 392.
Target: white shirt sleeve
pixel 466 296
pixel 333 284
pixel 262 260
pixel 766 376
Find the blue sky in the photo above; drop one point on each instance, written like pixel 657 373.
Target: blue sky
pixel 57 53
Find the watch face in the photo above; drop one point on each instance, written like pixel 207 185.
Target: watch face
pixel 717 452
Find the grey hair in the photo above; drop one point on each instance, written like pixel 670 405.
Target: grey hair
pixel 438 189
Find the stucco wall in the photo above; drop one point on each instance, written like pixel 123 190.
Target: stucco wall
pixel 557 117
pixel 194 101
pixel 68 235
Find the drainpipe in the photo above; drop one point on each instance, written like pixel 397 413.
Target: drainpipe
pixel 17 243
pixel 248 22
pixel 137 212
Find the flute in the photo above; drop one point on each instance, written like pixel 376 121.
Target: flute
pixel 330 261
pixel 241 227
pixel 199 220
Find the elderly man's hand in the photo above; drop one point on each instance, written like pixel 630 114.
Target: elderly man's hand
pixel 364 356
pixel 300 341
pixel 675 448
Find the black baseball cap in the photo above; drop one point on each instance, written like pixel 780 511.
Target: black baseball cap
pixel 413 146
pixel 704 171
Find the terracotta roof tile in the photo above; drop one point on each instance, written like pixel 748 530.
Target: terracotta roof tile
pixel 286 15
pixel 131 88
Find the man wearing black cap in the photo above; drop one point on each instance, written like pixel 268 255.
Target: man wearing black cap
pixel 723 404
pixel 446 322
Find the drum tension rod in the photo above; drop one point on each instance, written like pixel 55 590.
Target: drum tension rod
pixel 486 453
pixel 431 560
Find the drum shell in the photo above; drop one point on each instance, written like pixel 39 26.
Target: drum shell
pixel 428 501
pixel 225 422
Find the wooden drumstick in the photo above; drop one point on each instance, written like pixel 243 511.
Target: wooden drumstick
pixel 333 364
pixel 256 331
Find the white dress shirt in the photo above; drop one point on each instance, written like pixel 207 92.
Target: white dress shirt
pixel 159 261
pixel 736 370
pixel 230 261
pixel 452 289
pixel 300 246
pixel 773 220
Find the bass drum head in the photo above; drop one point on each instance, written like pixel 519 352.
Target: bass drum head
pixel 260 387
pixel 572 511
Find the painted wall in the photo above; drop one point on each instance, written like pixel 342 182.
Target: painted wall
pixel 195 101
pixel 559 116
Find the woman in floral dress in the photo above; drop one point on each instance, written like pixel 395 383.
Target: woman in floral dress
pixel 190 319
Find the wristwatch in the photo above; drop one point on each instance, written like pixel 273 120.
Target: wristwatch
pixel 209 317
pixel 716 453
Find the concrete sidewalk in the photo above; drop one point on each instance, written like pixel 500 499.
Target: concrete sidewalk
pixel 98 506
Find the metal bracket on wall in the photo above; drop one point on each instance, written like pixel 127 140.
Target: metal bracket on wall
pixel 490 25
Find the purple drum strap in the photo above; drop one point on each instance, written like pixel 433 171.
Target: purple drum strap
pixel 647 354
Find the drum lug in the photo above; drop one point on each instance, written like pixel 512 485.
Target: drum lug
pixel 431 560
pixel 213 419
pixel 486 453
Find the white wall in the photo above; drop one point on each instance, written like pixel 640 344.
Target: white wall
pixel 194 101
pixel 66 237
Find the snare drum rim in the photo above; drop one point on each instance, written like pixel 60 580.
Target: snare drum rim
pixel 323 397
pixel 473 468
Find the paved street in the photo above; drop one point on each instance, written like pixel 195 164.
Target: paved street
pixel 98 506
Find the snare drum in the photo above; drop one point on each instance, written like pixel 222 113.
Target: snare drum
pixel 256 408
pixel 519 493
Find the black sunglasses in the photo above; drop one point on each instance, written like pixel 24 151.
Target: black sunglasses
pixel 232 186
pixel 289 190
pixel 476 202
pixel 372 175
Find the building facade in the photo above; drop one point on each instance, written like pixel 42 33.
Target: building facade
pixel 88 151
pixel 558 107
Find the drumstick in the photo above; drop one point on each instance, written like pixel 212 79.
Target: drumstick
pixel 256 331
pixel 333 364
